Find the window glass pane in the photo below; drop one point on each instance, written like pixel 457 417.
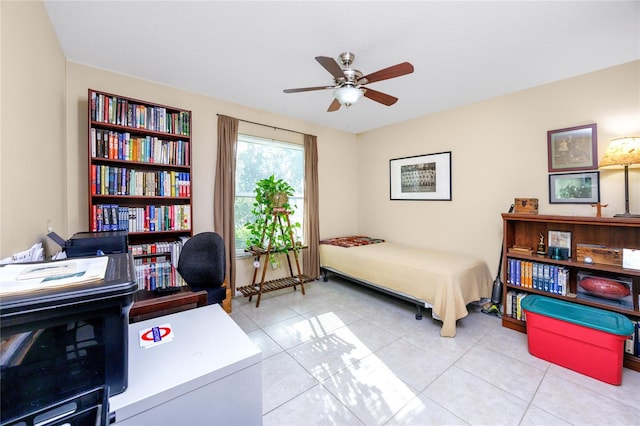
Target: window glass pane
pixel 258 158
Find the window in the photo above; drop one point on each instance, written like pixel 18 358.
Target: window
pixel 258 158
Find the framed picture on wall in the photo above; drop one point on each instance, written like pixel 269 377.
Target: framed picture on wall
pixel 422 177
pixel 573 148
pixel 574 188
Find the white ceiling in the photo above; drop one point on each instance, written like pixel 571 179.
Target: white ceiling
pixel 248 52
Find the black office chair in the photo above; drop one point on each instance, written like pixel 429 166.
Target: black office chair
pixel 202 265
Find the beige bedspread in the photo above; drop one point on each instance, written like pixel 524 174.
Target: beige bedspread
pixel 447 281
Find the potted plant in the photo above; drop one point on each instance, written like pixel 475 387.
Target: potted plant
pixel 271 193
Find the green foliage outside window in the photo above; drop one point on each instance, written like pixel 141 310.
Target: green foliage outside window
pixel 258 159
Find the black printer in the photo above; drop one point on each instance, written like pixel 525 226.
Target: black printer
pixel 94 243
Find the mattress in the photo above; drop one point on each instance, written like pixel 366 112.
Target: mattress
pixel 445 281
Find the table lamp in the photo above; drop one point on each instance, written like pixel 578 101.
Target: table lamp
pixel 623 152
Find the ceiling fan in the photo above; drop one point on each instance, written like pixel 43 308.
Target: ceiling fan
pixel 349 84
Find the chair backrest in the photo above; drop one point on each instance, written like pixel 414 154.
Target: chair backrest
pixel 202 260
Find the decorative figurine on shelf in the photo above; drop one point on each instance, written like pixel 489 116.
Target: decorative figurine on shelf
pixel 599 207
pixel 542 249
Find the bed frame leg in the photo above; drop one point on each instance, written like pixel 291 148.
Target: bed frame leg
pixel 419 313
pixel 324 275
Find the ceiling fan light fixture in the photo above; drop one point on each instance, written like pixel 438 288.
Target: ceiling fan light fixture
pixel 348 95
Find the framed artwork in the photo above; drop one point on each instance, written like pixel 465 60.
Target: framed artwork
pixel 422 177
pixel 573 148
pixel 574 188
pixel 559 245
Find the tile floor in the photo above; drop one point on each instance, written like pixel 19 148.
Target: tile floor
pixel 346 355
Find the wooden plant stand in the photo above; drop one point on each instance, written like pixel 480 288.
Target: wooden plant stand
pixel 293 280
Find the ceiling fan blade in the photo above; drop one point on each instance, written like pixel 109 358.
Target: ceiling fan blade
pixel 307 89
pixel 390 72
pixel 335 105
pixel 383 98
pixel 331 65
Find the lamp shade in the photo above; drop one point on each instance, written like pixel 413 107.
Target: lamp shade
pixel 622 152
pixel 347 95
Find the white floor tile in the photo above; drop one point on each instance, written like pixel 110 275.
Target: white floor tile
pixel 411 364
pixel 370 390
pixel 579 405
pixel 423 411
pixel 282 379
pixel 327 355
pixel 265 343
pixel 316 406
pixel 508 374
pixel 628 393
pixel 474 400
pixel 538 417
pixel 346 355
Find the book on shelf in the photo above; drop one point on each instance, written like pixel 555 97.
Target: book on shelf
pixel 168 251
pixel 630 345
pixel 152 218
pixel 538 276
pixel 513 305
pixel 115 180
pixel 637 353
pixel 157 275
pixel 123 112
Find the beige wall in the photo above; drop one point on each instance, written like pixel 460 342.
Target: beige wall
pixel 33 189
pixel 499 152
pixel 336 150
pixel 43 175
pixel 499 149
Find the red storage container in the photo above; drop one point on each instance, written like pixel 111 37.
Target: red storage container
pixel 584 339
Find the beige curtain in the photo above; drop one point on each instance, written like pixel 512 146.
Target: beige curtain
pixel 311 256
pixel 225 192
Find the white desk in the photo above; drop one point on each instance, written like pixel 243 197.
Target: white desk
pixel 209 374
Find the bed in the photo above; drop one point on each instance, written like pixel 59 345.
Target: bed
pixel 444 282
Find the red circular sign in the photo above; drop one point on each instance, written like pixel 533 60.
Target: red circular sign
pixel 164 332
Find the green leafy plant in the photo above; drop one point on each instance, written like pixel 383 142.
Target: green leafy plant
pixel 272 193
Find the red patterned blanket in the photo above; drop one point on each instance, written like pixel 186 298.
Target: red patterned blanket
pixel 353 241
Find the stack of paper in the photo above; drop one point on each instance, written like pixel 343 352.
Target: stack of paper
pixel 37 276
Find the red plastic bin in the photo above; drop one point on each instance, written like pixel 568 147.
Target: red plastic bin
pixel 584 339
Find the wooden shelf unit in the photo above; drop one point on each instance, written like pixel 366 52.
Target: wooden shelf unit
pixel 149 305
pixel 140 173
pixel 524 230
pixel 257 288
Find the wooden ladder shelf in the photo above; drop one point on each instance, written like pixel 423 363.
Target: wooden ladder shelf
pixel 293 280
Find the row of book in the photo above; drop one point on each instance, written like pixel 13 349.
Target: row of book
pixel 539 276
pixel 163 249
pixel 152 276
pixel 149 149
pixel 111 180
pixel 512 305
pixel 122 112
pixel 113 217
pixel 632 344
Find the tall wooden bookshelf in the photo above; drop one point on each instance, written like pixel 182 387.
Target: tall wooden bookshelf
pixel 523 230
pixel 140 173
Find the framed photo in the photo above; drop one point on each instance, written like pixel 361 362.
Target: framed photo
pixel 422 177
pixel 573 148
pixel 574 188
pixel 559 245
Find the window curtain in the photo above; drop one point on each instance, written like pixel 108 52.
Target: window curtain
pixel 311 256
pixel 225 192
